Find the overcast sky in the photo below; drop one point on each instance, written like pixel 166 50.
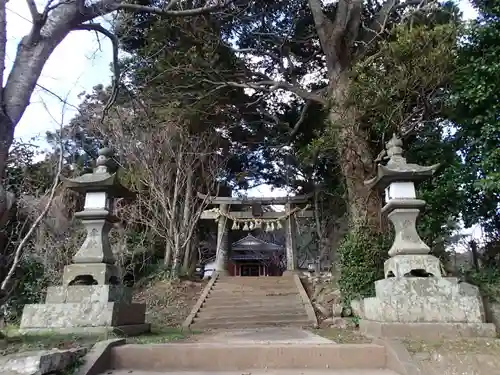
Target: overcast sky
pixel 80 62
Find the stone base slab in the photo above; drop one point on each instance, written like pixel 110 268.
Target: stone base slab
pixel 88 293
pixel 424 299
pixel 415 309
pixel 81 315
pixel 127 330
pixel 447 287
pixel 426 331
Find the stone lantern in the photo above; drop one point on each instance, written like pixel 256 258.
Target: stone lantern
pixel 91 298
pixel 415 298
pixel 397 178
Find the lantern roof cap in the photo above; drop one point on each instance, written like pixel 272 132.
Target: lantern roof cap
pixel 102 179
pixel 397 169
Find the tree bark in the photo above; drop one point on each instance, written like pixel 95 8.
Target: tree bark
pixel 191 251
pixel 6 138
pixel 355 158
pixel 167 261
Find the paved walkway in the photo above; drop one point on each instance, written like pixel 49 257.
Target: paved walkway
pixel 259 372
pixel 271 335
pixel 260 336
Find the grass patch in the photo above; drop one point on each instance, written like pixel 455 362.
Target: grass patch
pixel 458 346
pixel 162 335
pixel 16 343
pixel 343 336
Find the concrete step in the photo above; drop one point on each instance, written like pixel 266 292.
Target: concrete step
pixel 254 289
pixel 244 357
pixel 251 295
pixel 230 324
pixel 254 308
pixel 257 282
pixel 238 310
pixel 256 285
pixel 234 301
pixel 261 372
pixel 255 292
pixel 277 279
pixel 292 316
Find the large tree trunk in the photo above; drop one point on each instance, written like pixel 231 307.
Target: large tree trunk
pixel 355 158
pixel 167 260
pixel 6 138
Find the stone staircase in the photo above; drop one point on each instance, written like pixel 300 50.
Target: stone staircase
pixel 249 302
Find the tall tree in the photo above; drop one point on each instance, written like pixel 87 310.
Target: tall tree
pixel 50 26
pixel 474 111
pixel 309 48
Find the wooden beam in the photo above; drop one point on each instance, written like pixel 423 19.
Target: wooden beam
pixel 249 201
pixel 248 215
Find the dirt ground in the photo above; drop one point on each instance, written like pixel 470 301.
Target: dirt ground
pixel 464 356
pixel 348 335
pixel 169 303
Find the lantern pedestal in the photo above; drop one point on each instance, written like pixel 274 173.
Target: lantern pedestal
pixel 86 309
pixel 415 299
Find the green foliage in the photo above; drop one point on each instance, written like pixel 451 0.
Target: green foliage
pixel 402 84
pixel 444 198
pixel 31 283
pixel 362 254
pixel 487 279
pixel 474 109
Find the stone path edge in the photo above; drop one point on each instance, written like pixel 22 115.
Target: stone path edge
pixel 196 308
pixel 311 314
pixel 96 361
pixel 398 359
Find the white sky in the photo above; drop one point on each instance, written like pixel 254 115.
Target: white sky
pixel 79 63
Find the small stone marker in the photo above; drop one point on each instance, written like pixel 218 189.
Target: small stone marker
pixel 40 362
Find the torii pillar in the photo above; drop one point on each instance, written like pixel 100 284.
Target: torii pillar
pixel 222 252
pixel 290 240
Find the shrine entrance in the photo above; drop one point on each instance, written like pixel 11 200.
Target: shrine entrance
pixel 227 220
pixel 250 270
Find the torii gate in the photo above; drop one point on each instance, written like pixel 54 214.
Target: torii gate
pixel 256 218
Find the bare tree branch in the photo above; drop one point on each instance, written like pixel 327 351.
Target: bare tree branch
pixel 35 16
pixel 107 6
pixel 324 28
pixel 301 119
pixel 58 97
pixel 19 250
pixel 378 25
pixel 57 21
pixel 116 66
pixel 271 86
pixel 3 42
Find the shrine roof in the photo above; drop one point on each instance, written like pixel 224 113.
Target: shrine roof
pixel 253 243
pixel 250 257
